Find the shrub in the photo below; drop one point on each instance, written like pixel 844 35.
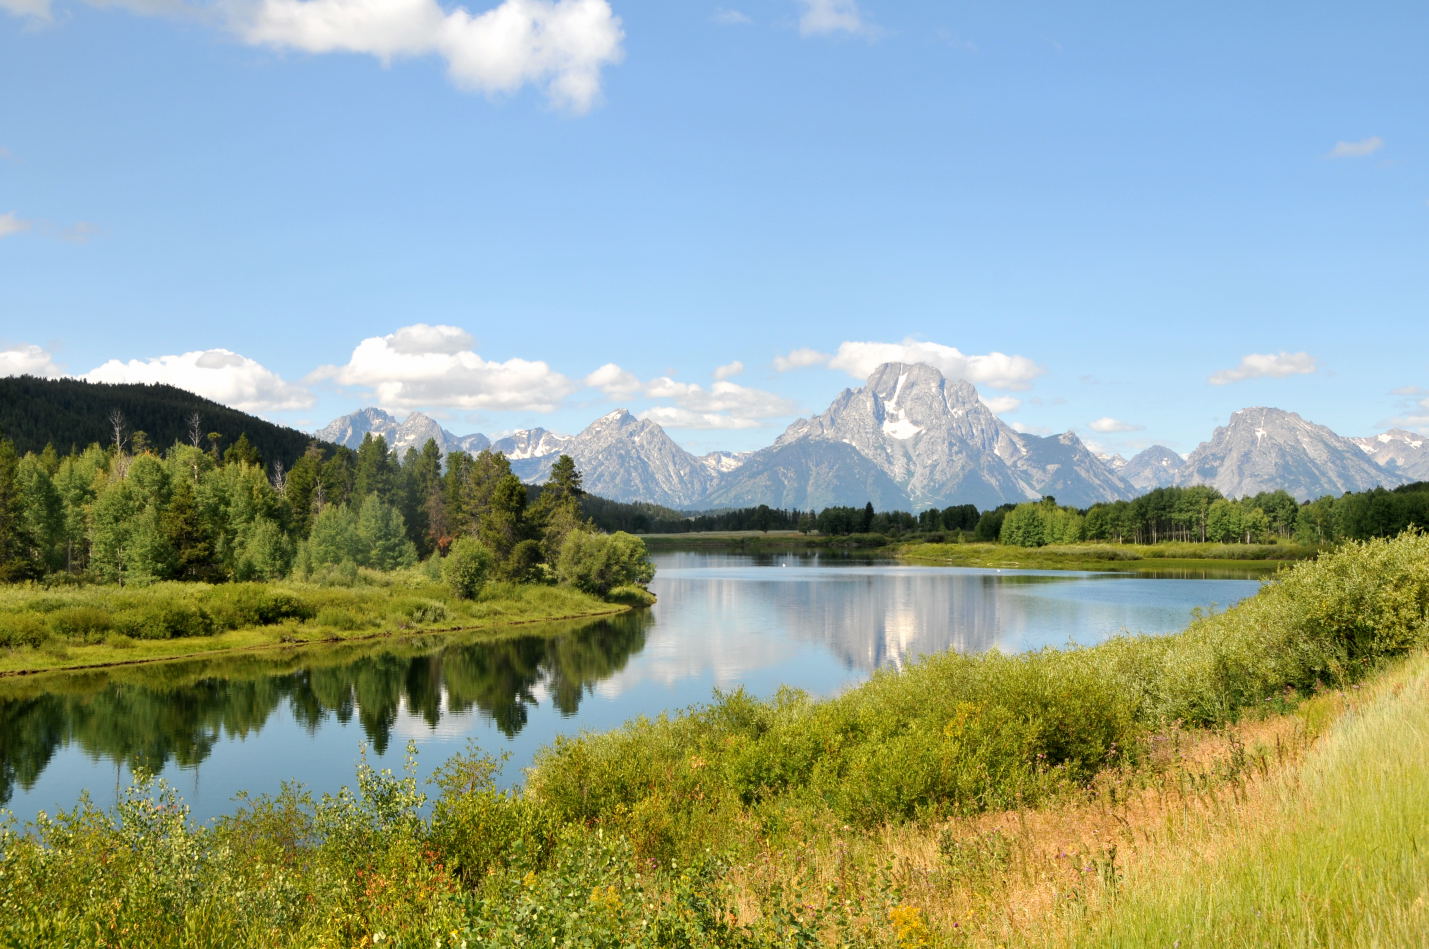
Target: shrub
pixel 598 563
pixel 467 567
pixel 22 629
pixel 86 624
pixel 427 611
pixel 164 621
pixel 240 605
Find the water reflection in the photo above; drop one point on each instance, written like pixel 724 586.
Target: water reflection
pixel 175 714
pixel 820 623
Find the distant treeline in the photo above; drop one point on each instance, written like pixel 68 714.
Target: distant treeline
pixel 70 414
pixel 1197 513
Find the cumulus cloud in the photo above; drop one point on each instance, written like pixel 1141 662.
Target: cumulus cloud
pixel 859 359
pixel 27 360
pixel 614 381
pixel 999 404
pixel 10 223
pixel 821 17
pixel 1266 366
pixel 729 369
pixel 561 45
pixel 800 359
pixel 426 366
pixel 723 404
pixel 1360 149
pixel 728 17
pixel 34 9
pixel 218 374
pixel 671 416
pixel 1106 424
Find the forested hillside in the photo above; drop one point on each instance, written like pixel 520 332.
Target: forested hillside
pixel 70 414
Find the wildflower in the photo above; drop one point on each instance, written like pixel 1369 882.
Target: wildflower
pixel 910 929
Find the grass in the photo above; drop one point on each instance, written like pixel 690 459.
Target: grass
pixel 1336 854
pixel 1208 559
pixel 80 627
pixel 1257 779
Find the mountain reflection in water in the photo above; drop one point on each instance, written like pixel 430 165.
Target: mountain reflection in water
pixel 816 623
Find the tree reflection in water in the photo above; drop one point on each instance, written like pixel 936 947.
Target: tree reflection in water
pixel 149 716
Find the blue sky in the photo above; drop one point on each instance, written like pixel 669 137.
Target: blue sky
pixel 1123 219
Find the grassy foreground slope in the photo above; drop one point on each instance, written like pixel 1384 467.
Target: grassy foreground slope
pixel 1062 797
pixel 1337 855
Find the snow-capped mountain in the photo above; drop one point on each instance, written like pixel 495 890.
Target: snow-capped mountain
pixel 933 440
pixel 1265 449
pixel 1154 467
pixel 911 439
pixel 1399 452
pixel 629 459
pixel 411 432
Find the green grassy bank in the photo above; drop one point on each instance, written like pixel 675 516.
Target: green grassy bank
pixel 1034 799
pixel 1174 556
pixel 48 629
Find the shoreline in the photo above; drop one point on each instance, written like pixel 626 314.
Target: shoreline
pixel 327 639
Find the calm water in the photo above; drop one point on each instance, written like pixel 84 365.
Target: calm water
pixel 723 621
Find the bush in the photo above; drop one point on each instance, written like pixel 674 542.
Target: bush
pixel 87 624
pixel 467 567
pixel 164 621
pixel 241 605
pixel 427 611
pixel 22 629
pixel 598 563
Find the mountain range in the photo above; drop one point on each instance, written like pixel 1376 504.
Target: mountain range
pixel 911 439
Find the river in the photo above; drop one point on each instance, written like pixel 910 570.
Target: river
pixel 815 623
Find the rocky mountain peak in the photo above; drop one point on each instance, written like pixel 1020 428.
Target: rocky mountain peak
pixel 1268 449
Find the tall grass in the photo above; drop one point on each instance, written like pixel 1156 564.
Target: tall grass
pixel 1340 857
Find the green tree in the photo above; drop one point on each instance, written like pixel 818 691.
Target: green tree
pixel 242 452
pixel 466 567
pixel 382 536
pixel 598 563
pixel 15 541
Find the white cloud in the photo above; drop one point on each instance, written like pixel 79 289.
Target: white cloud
pixel 998 370
pixel 424 366
pixel 27 360
pixel 1107 424
pixel 729 369
pixel 560 44
pixel 670 416
pixel 800 359
pixel 1026 429
pixel 999 404
pixel 724 404
pixel 36 9
pixel 728 17
pixel 10 223
pixel 614 381
pixel 218 374
pixel 1266 366
pixel 821 17
pixel 1360 149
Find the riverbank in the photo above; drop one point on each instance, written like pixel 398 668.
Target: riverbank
pixel 1241 559
pixel 968 800
pixel 67 629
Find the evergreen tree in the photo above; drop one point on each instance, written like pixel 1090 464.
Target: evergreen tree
pixel 242 452
pixel 383 542
pixel 15 542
